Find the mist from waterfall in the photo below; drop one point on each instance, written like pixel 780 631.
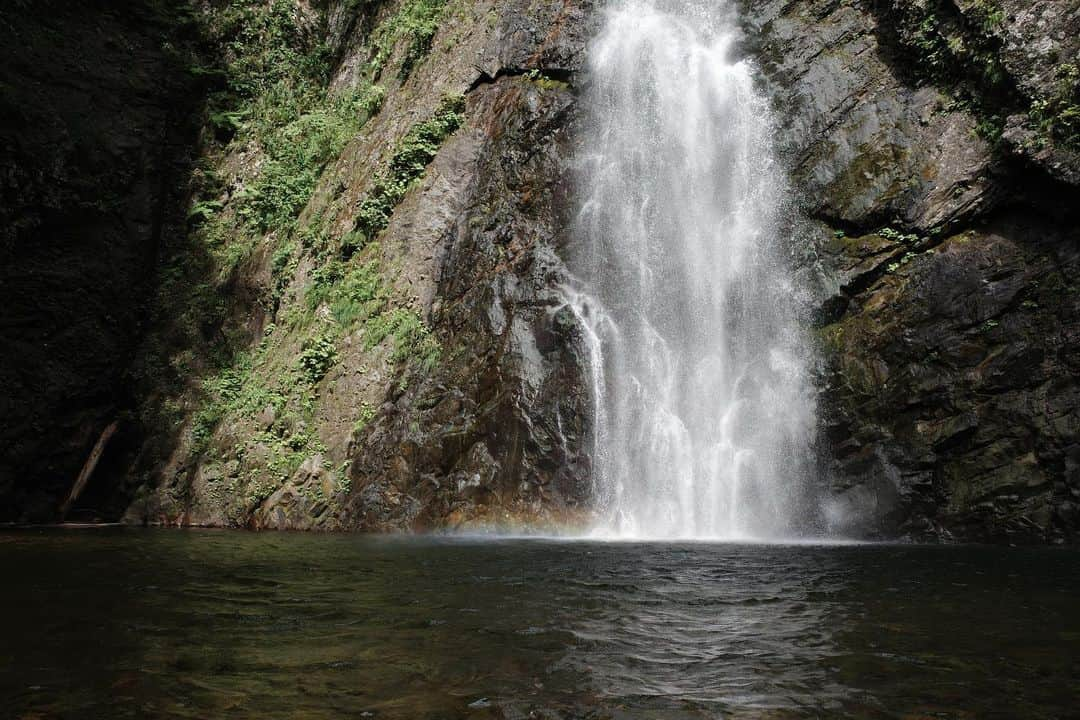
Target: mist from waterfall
pixel 704 410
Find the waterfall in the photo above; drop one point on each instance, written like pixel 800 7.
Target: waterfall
pixel 704 413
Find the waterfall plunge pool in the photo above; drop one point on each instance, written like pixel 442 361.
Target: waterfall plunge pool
pixel 121 622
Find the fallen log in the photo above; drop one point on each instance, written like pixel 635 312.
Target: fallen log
pixel 87 469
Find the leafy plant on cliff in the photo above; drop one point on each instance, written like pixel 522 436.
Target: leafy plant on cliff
pixel 355 293
pixel 298 152
pixel 360 295
pixel 271 55
pixel 275 129
pixel 273 97
pixel 1058 116
pixel 254 384
pixel 354 289
pixel 960 46
pixel 367 414
pixel 895 235
pixel 406 164
pixel 960 51
pixel 224 390
pixel 415 23
pixel 954 45
pixel 543 81
pixel 318 356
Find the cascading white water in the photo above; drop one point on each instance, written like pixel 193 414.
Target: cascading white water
pixel 704 409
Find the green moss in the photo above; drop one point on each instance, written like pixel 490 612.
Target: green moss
pixel 252 382
pixel 872 160
pixel 544 82
pixel 286 452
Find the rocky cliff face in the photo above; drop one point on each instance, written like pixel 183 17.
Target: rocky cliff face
pixel 358 325
pixel 934 146
pixel 388 349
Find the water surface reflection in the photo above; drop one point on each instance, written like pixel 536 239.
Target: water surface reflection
pixel 127 623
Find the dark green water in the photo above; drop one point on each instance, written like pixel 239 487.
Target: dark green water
pixel 216 624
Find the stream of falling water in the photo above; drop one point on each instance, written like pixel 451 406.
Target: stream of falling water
pixel 704 412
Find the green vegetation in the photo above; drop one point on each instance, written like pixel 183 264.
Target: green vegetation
pixel 271 97
pixel 352 286
pixel 411 338
pixel 408 163
pixel 341 476
pixel 298 153
pixel 355 293
pixel 897 236
pixel 904 260
pixel 953 44
pixel 318 355
pixel 911 240
pixel 282 265
pixel 275 128
pixel 961 52
pixel 367 414
pixel 1058 116
pixel 254 388
pixel 416 23
pixel 544 82
pixel 271 71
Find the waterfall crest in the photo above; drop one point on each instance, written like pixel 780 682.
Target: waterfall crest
pixel 704 412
